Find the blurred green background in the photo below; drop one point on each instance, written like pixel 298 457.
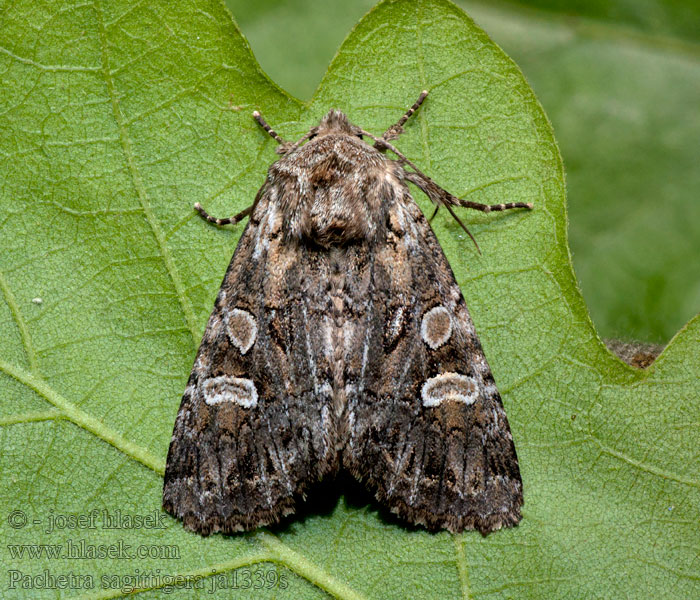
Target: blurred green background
pixel 620 82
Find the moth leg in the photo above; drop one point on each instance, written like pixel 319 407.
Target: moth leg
pixel 442 197
pixel 228 221
pixel 397 128
pixel 488 207
pixel 438 195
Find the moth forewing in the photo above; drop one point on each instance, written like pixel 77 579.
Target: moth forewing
pixel 340 339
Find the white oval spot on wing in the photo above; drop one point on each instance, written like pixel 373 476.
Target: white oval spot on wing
pixel 449 387
pixel 436 327
pixel 225 388
pixel 242 329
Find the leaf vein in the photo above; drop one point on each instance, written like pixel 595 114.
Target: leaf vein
pixel 19 321
pixel 139 187
pixel 82 419
pixel 31 417
pixel 193 575
pixel 645 466
pixel 462 567
pixel 307 569
pixel 281 553
pixel 50 68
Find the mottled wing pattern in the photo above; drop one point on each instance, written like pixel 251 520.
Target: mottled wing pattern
pixel 255 427
pixel 340 336
pixel 426 428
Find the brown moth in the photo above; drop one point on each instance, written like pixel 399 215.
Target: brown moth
pixel 340 339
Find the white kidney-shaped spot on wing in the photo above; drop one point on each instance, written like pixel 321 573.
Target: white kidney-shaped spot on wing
pixel 449 387
pixel 217 390
pixel 436 327
pixel 242 329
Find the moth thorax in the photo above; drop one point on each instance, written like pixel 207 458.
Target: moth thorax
pixel 334 225
pixel 342 209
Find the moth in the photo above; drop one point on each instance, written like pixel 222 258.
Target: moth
pixel 340 340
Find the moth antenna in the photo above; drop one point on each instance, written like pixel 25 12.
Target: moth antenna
pixel 397 128
pixel 229 220
pixel 414 108
pixel 435 212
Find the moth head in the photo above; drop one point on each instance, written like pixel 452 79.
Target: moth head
pixel 336 122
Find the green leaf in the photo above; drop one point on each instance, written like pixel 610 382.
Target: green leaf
pixel 116 119
pixel 624 108
pixel 624 105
